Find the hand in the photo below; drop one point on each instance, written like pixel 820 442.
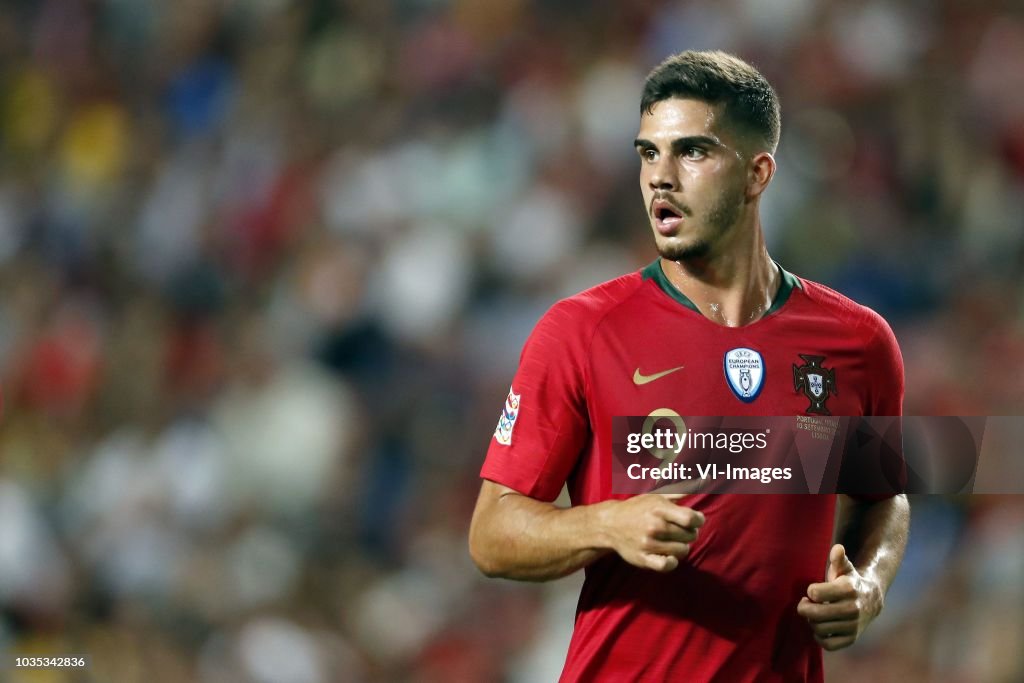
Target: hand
pixel 651 531
pixel 841 608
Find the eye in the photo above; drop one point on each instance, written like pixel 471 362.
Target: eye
pixel 694 153
pixel 649 154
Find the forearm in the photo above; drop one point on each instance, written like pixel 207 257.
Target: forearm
pixel 529 540
pixel 875 536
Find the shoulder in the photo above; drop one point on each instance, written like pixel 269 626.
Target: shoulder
pixel 556 355
pixel 583 312
pixel 856 318
pixel 881 359
pixel 880 352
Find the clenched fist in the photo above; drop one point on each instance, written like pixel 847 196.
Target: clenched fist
pixel 651 531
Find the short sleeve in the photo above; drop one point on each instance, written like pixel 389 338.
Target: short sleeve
pixel 544 425
pixel 884 371
pixel 885 379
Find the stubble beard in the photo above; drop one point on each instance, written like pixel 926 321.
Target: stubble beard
pixel 721 217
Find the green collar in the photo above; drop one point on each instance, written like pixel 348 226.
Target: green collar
pixel 653 270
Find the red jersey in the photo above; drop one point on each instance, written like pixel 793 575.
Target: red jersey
pixel 728 612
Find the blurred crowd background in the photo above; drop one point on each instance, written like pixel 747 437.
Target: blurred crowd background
pixel 266 268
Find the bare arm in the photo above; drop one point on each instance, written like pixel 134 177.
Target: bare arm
pixel 872 536
pixel 516 537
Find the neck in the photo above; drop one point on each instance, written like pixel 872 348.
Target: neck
pixel 732 288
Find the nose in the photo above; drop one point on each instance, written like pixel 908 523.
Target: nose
pixel 663 175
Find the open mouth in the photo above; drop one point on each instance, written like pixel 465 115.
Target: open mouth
pixel 665 213
pixel 666 217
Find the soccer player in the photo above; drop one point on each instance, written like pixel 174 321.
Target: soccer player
pixel 729 588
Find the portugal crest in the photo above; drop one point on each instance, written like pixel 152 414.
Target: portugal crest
pixel 816 382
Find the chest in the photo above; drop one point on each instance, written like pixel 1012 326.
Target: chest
pixel 698 369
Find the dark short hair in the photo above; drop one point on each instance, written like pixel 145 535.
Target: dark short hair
pixel 718 77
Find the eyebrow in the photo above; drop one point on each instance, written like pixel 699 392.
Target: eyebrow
pixel 682 143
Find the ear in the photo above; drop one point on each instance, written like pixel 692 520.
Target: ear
pixel 760 173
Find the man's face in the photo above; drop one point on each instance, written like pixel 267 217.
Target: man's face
pixel 692 176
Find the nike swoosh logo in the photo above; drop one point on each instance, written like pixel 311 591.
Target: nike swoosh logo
pixel 639 379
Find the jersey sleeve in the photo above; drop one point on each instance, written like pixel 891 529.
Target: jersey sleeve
pixel 544 425
pixel 885 384
pixel 884 371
